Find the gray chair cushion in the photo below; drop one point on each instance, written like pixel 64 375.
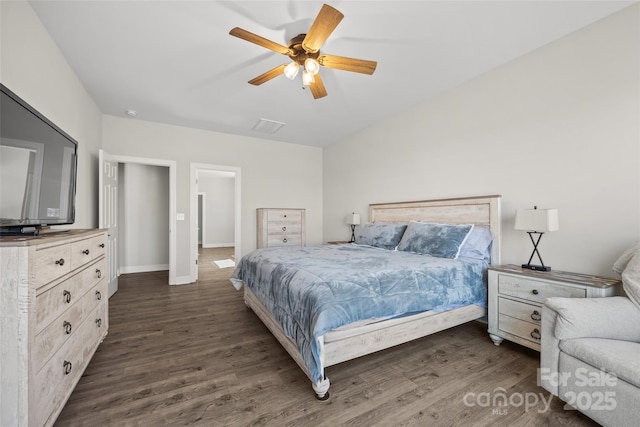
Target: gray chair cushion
pixel 613 356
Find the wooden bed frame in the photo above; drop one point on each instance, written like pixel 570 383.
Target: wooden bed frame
pixel 340 346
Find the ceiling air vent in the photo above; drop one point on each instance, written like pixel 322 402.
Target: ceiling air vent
pixel 267 126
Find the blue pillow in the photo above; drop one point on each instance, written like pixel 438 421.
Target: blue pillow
pixel 438 240
pixel 478 243
pixel 380 235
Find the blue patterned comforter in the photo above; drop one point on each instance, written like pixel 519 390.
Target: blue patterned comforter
pixel 312 290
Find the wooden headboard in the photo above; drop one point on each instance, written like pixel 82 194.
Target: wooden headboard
pixel 481 210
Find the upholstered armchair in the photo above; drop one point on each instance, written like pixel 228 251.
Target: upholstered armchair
pixel 590 350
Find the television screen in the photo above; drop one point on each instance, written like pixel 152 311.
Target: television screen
pixel 37 167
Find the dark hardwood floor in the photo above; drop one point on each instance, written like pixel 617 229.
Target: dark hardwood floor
pixel 195 355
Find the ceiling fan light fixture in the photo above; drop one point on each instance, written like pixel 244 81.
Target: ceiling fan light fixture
pixel 312 66
pixel 291 70
pixel 307 78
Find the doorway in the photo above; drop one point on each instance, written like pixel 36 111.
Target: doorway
pixel 109 208
pixel 215 214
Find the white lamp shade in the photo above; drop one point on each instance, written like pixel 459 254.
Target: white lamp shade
pixel 353 219
pixel 540 220
pixel 291 70
pixel 312 66
pixel 307 78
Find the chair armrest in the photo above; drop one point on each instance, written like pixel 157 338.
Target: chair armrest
pixel 612 318
pixel 569 318
pixel 549 352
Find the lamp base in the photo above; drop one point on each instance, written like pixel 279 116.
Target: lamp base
pixel 536 267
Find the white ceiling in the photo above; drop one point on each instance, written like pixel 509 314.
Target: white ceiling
pixel 174 61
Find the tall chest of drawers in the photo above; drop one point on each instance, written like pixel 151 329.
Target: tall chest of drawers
pixel 516 296
pixel 280 227
pixel 53 316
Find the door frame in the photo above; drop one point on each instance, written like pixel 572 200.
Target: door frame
pixel 171 164
pixel 237 214
pixel 201 225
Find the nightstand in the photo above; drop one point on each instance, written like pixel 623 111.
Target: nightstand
pixel 516 296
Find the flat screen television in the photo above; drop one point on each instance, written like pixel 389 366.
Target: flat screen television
pixel 38 164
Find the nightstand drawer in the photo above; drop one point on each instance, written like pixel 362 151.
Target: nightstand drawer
pixel 519 328
pixel 520 310
pixel 535 290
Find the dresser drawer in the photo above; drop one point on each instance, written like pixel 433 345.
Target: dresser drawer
pixel 284 215
pixel 520 328
pixel 50 263
pixel 55 382
pixel 59 375
pixel 84 251
pixel 519 310
pixel 280 228
pixel 99 320
pixel 284 240
pixel 65 326
pixel 535 290
pixel 53 302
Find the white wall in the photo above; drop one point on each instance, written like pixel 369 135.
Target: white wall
pixel 219 191
pixel 32 66
pixel 144 219
pixel 274 174
pixel 558 128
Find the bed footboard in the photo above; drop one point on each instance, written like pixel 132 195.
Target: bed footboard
pixel 340 346
pixel 320 386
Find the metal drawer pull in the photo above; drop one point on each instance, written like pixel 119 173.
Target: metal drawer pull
pixel 67 367
pixel 285 215
pixel 67 327
pixel 535 315
pixel 67 296
pixel 535 292
pixel 86 252
pixel 60 262
pixel 284 228
pixel 99 273
pixel 535 334
pixel 98 295
pixel 101 245
pixel 98 322
pixel 284 240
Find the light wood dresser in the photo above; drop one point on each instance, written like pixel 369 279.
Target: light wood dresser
pixel 516 296
pixel 53 316
pixel 280 227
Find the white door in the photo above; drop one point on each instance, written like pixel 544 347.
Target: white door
pixel 108 213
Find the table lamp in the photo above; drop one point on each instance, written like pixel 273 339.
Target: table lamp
pixel 536 221
pixel 353 220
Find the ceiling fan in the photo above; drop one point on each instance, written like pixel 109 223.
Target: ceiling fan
pixel 304 51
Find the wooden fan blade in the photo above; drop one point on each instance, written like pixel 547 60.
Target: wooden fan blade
pixel 265 77
pixel 260 41
pixel 317 87
pixel 327 20
pixel 348 64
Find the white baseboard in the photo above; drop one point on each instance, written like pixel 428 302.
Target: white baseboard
pixel 183 280
pixel 217 245
pixel 143 268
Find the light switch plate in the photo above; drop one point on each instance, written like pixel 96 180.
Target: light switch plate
pixel 180 217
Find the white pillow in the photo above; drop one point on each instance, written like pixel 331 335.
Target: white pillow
pixel 631 278
pixel 622 261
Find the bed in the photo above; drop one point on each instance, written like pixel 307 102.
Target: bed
pixel 334 303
